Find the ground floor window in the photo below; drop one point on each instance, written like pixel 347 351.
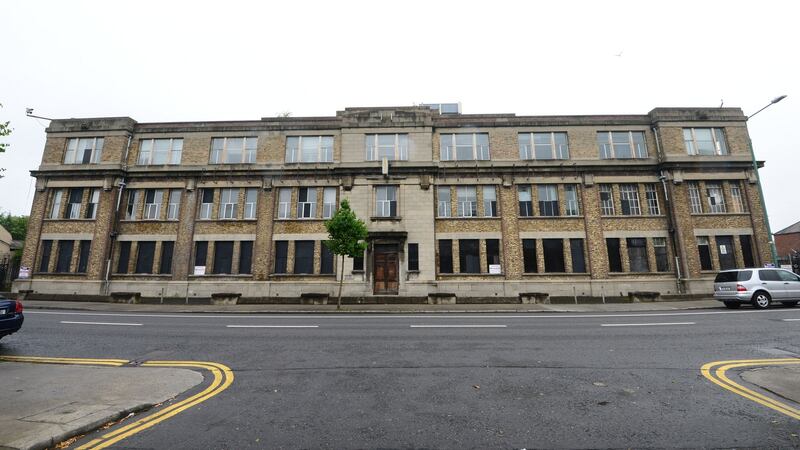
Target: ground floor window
pixel 223 257
pixel 413 257
pixel 445 256
pixel 245 257
pixel 281 256
pixel 304 257
pixel 124 257
pixel 326 261
pixel 553 255
pixel 83 255
pixel 47 248
pixel 577 254
pixel 660 250
pixel 200 253
pixel 637 254
pixel 704 251
pixel 529 256
pixel 145 255
pixel 614 257
pixel 727 256
pixel 358 264
pixel 64 256
pixel 165 266
pixel 747 250
pixel 469 255
pixel 492 253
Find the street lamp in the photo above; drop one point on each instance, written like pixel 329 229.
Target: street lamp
pixel 772 248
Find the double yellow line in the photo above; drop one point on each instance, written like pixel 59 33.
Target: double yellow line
pixel 222 378
pixel 715 371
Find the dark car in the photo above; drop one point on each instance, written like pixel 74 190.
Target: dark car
pixel 10 316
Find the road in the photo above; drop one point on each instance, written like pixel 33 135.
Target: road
pixel 446 381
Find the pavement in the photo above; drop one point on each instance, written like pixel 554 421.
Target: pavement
pixel 781 381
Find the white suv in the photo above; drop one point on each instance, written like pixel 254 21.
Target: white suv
pixel 759 287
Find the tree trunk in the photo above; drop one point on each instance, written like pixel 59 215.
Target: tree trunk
pixel 341 281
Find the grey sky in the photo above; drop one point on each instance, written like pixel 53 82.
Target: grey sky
pixel 171 61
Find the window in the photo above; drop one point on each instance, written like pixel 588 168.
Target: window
pixel 307 203
pixel 74 204
pixel 577 254
pixel 726 253
pixel 443 196
pixel 223 257
pixel 492 252
pixel 386 201
pixel 705 141
pixel 606 200
pixel 489 201
pixel 704 250
pixel 548 200
pixel 303 257
pixel 206 202
pixel 553 255
pixel 84 151
pixel 284 202
pixel 736 196
pixel 132 207
pixel 124 256
pixel 47 248
pixel 165 266
pixel 445 256
pixel 629 200
pixel 236 150
pixel 573 205
pixel 250 197
pixel 614 257
pixel 55 208
pixel 145 256
pixel 467 198
pixel 651 195
pixel 160 151
pixel 637 254
pixel 529 256
pixel 464 147
pixel 91 207
pixel 621 144
pixel 200 253
pixel 328 202
pixel 413 257
pixel 393 147
pixel 152 203
pixel 229 203
pixel 281 256
pixel 660 248
pixel 84 247
pixel 326 260
pixel 309 149
pixel 694 197
pixel 358 264
pixel 543 146
pixel 525 202
pixel 747 250
pixel 469 255
pixel 245 257
pixel 716 201
pixel 173 208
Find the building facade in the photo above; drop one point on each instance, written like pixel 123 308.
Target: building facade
pixel 484 206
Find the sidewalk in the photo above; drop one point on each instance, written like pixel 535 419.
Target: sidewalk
pixel 376 309
pixel 782 381
pixel 44 404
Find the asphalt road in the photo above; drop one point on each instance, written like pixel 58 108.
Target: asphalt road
pixel 446 381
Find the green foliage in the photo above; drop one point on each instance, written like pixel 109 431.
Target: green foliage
pixel 347 232
pixel 5 130
pixel 16 225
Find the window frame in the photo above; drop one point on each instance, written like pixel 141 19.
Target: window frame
pixel 220 155
pixel 73 209
pixel 529 257
pixel 443 207
pixel 572 202
pixel 145 257
pixel 284 209
pixel 651 197
pixel 391 203
pixel 629 199
pixel 165 259
pixel 84 251
pixel 713 206
pixel 558 151
pixel 525 206
pixel 173 207
pixel 695 203
pixel 489 204
pixel 222 263
pixel 132 205
pixel 706 261
pixel 55 205
pixel 445 250
pixel 294 155
pixel 554 261
pixel 547 196
pixel 466 197
pixel 302 262
pixel 96 152
pixel 250 204
pixel 92 203
pixel 614 254
pixel 206 211
pixel 638 261
pixel 152 208
pixel 737 197
pixel 607 207
pixel 449 152
pixel 303 202
pixel 608 148
pixel 661 254
pixel 718 139
pixel 328 207
pixel 228 210
pixel 413 257
pixel 175 148
pixel 373 149
pixel 281 262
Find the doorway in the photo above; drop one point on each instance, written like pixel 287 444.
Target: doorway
pixel 385 269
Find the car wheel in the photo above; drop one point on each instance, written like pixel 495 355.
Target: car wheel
pixel 790 304
pixel 761 300
pixel 732 305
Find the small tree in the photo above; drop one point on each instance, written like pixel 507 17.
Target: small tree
pixel 5 130
pixel 347 238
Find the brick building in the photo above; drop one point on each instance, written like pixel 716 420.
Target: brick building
pixel 480 205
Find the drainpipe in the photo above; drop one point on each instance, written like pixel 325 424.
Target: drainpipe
pixel 670 218
pixel 115 218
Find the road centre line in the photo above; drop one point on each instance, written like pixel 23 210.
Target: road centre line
pixel 272 326
pixel 645 324
pixel 103 323
pixel 790 320
pixel 457 326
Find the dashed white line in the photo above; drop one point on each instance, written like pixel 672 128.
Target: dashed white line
pixel 103 323
pixel 272 326
pixel 790 320
pixel 458 326
pixel 645 324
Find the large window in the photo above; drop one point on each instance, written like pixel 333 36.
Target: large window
pixel 606 200
pixel 326 260
pixel 152 203
pixel 281 256
pixel 250 199
pixel 173 208
pixel 577 255
pixel 637 254
pixel 393 147
pixel 84 151
pixel 651 195
pixel 492 253
pixel 467 201
pixel 132 208
pixel 124 256
pixel 705 141
pixel 229 203
pixel 328 202
pixel 307 203
pixel 662 259
pixel 614 256
pixel 694 197
pixel 160 151
pixel 548 200
pixel 309 149
pixel 91 207
pixel 715 198
pixel 621 144
pixel 55 207
pixel 83 256
pixel 489 201
pixel 543 146
pixel 464 147
pixel 573 205
pixel 736 197
pixel 445 256
pixel 223 257
pixel 47 249
pixel 233 150
pixel 629 200
pixel 64 256
pixel 165 265
pixel 145 256
pixel 525 202
pixel 206 202
pixel 529 256
pixel 386 201
pixel 704 251
pixel 443 201
pixel 245 257
pixel 303 257
pixel 200 253
pixel 469 255
pixel 553 255
pixel 284 202
pixel 74 204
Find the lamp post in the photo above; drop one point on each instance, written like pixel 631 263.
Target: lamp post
pixel 772 248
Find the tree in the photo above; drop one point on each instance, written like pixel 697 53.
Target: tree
pixel 5 130
pixel 347 238
pixel 16 225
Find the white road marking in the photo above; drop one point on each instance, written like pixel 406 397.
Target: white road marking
pixel 103 323
pixel 457 326
pixel 272 326
pixel 790 320
pixel 644 324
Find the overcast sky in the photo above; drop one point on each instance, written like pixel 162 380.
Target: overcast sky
pixel 171 61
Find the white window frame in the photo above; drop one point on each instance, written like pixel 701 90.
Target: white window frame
pixel 250 203
pixel 557 151
pixel 55 207
pixel 73 155
pixel 548 193
pixel 715 200
pixel 94 202
pixel 220 150
pixel 173 207
pixel 147 151
pixel 229 203
pixel 132 206
pixel 608 149
pixel 651 195
pixel 629 192
pixel 73 209
pixel 449 151
pixel 328 202
pixel 324 152
pixel 489 209
pixel 152 210
pixel 284 203
pixel 736 197
pixel 607 206
pixel 528 192
pixel 717 138
pixel 399 148
pixel 383 200
pixel 442 205
pixel 467 198
pixel 572 205
pixel 307 209
pixel 694 197
pixel 206 209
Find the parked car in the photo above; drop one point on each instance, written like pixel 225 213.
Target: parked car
pixel 11 317
pixel 759 287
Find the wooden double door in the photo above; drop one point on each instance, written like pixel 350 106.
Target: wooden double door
pixel 386 266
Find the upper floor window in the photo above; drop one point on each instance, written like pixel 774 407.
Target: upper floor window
pixel 250 198
pixel 606 200
pixel 621 144
pixel 393 147
pixel 174 204
pixel 386 201
pixel 443 201
pixel 328 202
pixel 55 207
pixel 91 207
pixel 464 147
pixel 206 202
pixel 716 200
pixel 152 203
pixel 74 204
pixel 548 200
pixel 84 151
pixel 705 141
pixel 543 146
pixel 467 201
pixel 694 197
pixel 629 200
pixel 284 202
pixel 160 151
pixel 233 150
pixel 489 201
pixel 309 149
pixel 736 196
pixel 572 205
pixel 307 203
pixel 525 202
pixel 229 203
pixel 132 208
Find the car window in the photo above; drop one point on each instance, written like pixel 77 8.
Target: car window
pixel 787 276
pixel 733 276
pixel 769 275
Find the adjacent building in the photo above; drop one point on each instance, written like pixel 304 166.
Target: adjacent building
pixel 484 206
